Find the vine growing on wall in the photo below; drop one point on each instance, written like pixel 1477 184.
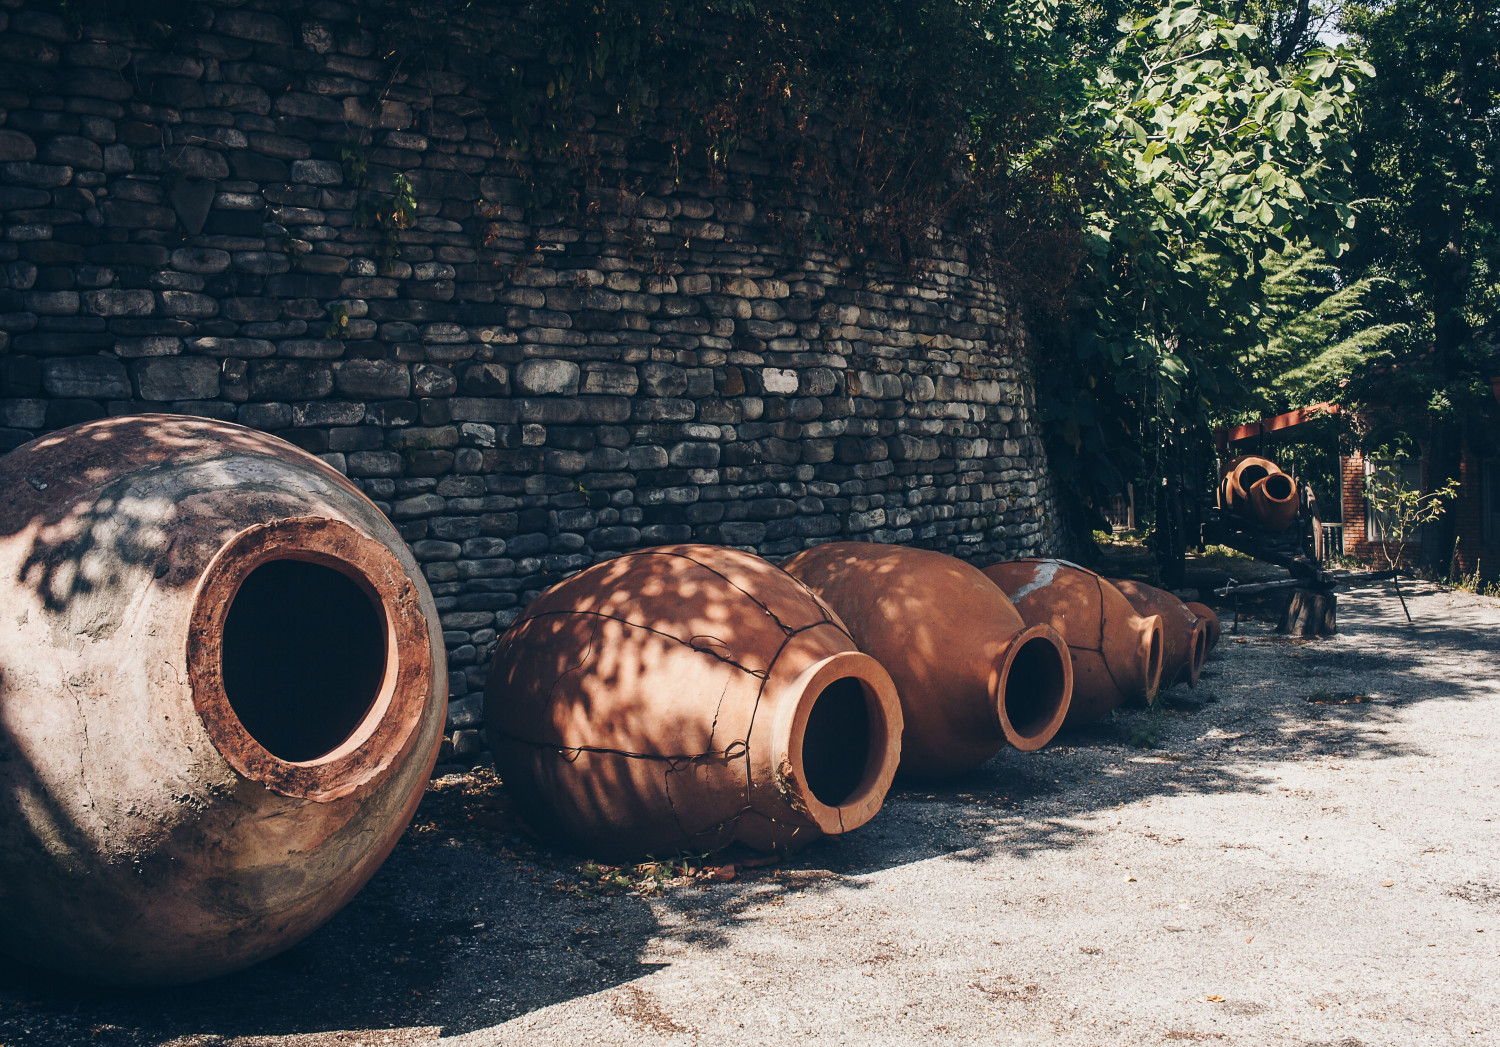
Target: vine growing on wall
pixel 887 124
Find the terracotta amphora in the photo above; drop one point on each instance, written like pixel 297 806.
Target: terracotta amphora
pixel 1210 618
pixel 972 676
pixel 222 690
pixel 1273 502
pixel 684 698
pixel 1241 474
pixel 1116 653
pixel 1184 634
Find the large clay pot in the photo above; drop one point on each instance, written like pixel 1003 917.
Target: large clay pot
pixel 683 698
pixel 1184 634
pixel 1273 502
pixel 971 674
pixel 1116 653
pixel 1210 618
pixel 1241 474
pixel 222 689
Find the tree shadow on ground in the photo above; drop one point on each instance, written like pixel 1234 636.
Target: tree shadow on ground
pixel 462 928
pixel 1324 702
pixel 471 924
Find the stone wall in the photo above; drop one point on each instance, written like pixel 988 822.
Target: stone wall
pixel 523 386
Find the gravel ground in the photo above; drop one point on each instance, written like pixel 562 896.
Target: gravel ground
pixel 1306 856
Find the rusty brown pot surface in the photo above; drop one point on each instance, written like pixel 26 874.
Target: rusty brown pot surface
pixel 1184 634
pixel 1273 502
pixel 1241 474
pixel 1210 618
pixel 683 698
pixel 1116 653
pixel 222 689
pixel 972 676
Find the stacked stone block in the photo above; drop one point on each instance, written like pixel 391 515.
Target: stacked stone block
pixel 524 388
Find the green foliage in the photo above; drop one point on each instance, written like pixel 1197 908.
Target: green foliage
pixel 388 213
pixel 1316 332
pixel 900 118
pixel 1403 510
pixel 1207 158
pixel 338 322
pixel 1473 582
pixel 1428 160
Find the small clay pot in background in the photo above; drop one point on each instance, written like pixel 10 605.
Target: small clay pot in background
pixel 971 675
pixel 684 698
pixel 1241 474
pixel 1116 653
pixel 1273 501
pixel 1184 635
pixel 222 690
pixel 1210 618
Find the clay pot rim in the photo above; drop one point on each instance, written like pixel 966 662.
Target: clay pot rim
pixel 1263 485
pixel 1153 643
pixel 1235 487
pixel 1200 651
pixel 1000 675
pixel 884 755
pixel 387 728
pixel 1210 619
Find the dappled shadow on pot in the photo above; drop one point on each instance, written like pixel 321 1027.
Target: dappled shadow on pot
pixel 94 501
pixel 685 697
pixel 1023 805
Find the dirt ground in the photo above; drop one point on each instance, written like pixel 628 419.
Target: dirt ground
pixel 1301 851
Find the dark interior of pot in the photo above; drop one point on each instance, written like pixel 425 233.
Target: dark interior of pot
pixel 1279 486
pixel 1034 687
pixel 836 744
pixel 1251 475
pixel 304 657
pixel 1153 659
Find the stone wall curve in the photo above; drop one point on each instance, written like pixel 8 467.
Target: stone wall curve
pixel 523 388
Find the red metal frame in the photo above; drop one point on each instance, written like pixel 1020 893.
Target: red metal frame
pixel 1225 436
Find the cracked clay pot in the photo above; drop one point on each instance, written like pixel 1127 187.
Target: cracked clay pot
pixel 971 675
pixel 1210 619
pixel 1116 653
pixel 1184 634
pixel 684 698
pixel 222 689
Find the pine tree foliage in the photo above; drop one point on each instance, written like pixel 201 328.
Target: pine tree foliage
pixel 1316 332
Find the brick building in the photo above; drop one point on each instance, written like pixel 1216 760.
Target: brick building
pixel 1476 510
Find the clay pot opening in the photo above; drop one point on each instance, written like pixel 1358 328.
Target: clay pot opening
pixel 838 740
pixel 309 657
pixel 1200 652
pixel 836 747
pixel 1251 475
pixel 1033 688
pixel 1152 642
pixel 304 657
pixel 1278 486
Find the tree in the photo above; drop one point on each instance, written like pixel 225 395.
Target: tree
pixel 1403 511
pixel 1316 332
pixel 1207 156
pixel 1428 154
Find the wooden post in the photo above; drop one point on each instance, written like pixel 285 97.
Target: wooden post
pixel 1310 612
